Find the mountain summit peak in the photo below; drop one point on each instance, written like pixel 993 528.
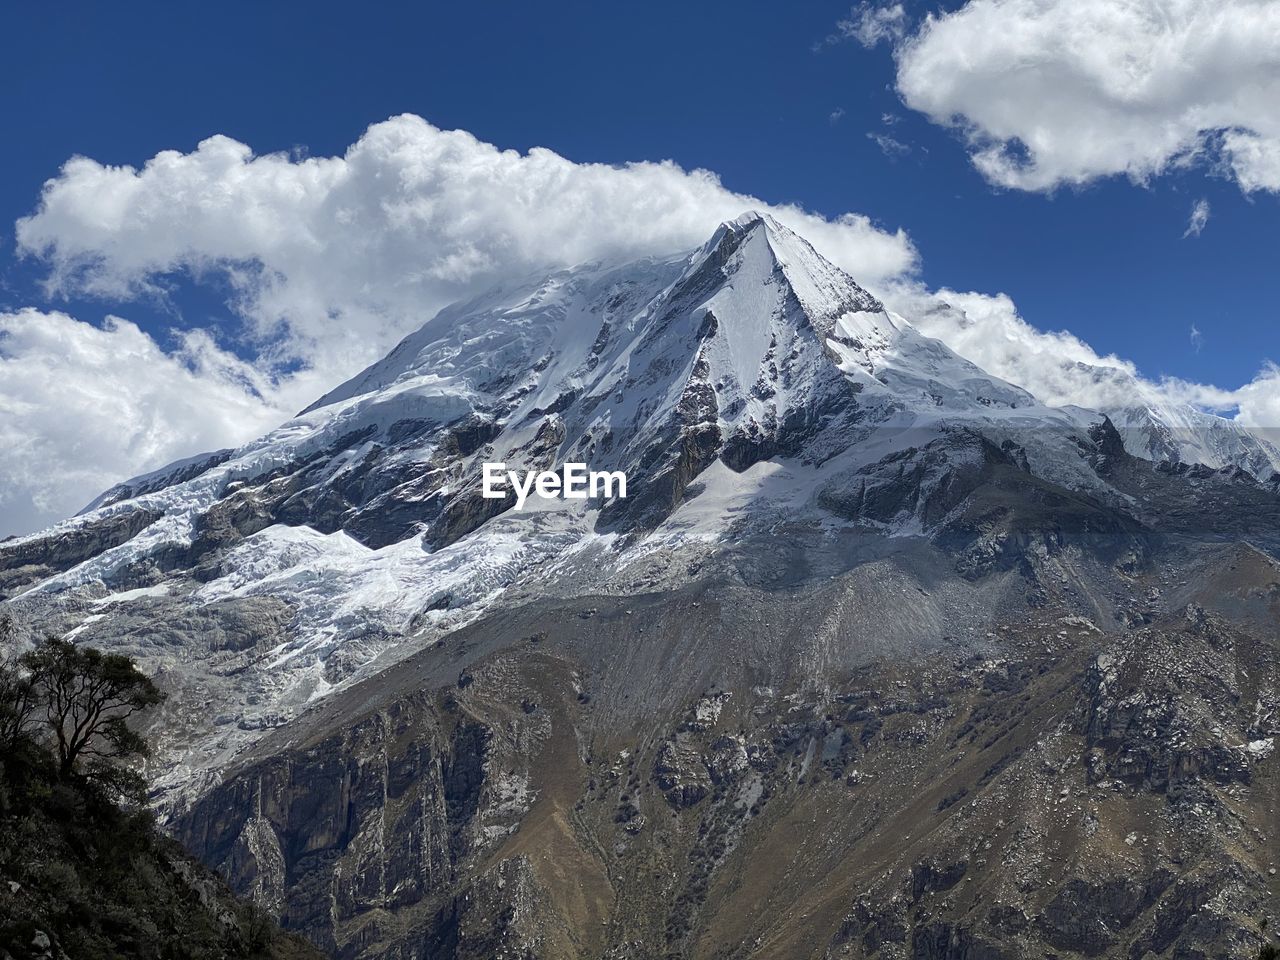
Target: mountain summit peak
pixel 747 219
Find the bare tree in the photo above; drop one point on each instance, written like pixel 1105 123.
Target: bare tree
pixel 87 698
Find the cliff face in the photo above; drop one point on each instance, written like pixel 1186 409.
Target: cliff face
pixel 375 817
pixel 413 832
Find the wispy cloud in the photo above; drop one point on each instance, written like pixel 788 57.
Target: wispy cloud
pixel 836 115
pixel 869 24
pixel 1199 217
pixel 1060 368
pixel 891 148
pixel 1197 338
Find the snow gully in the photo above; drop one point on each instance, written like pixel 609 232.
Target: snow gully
pixel 573 482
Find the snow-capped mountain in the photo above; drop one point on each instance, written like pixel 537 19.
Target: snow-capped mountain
pixel 749 349
pixel 743 385
pixel 1153 424
pixel 1156 428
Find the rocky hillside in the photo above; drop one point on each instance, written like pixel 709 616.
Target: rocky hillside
pixel 738 771
pixel 80 877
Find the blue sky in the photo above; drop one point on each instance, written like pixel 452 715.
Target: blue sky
pixel 733 87
pixel 736 88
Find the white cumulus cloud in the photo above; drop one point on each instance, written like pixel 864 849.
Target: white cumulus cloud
pixel 83 407
pixel 337 257
pixel 1054 92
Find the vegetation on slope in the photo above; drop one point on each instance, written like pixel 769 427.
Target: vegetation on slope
pixel 83 871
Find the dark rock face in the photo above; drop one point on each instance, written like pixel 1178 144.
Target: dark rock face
pixel 980 504
pixel 228 522
pixel 36 559
pixel 469 509
pixel 393 823
pixel 686 446
pixel 1085 917
pixel 681 773
pixel 660 491
pixel 463 778
pixel 927 483
pixel 929 877
pixel 1192 504
pixel 382 840
pixel 415 496
pixel 482 922
pixel 942 941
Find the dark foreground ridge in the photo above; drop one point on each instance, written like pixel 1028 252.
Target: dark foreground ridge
pixel 83 871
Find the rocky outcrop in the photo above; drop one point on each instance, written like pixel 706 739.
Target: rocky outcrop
pixel 980 503
pixel 31 560
pixel 681 772
pixel 923 484
pixel 1169 711
pixel 468 509
pixel 397 836
pixel 355 824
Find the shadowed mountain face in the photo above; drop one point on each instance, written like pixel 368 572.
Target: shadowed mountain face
pixel 879 657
